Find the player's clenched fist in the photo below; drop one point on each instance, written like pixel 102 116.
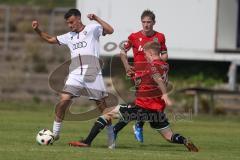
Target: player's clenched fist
pixel 35 24
pixel 92 16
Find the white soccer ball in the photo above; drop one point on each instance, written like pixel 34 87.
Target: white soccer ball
pixel 45 137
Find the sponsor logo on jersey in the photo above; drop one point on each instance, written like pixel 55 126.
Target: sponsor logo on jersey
pixel 140 48
pixel 82 44
pixel 155 39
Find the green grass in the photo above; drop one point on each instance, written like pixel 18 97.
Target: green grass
pixel 217 138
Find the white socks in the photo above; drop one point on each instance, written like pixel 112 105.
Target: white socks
pixel 111 137
pixel 57 128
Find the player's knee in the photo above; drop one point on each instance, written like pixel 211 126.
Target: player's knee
pixel 65 97
pixel 166 134
pixel 168 139
pixel 60 109
pixel 111 113
pixel 107 117
pixel 101 104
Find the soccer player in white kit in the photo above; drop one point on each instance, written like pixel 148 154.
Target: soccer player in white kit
pixel 83 42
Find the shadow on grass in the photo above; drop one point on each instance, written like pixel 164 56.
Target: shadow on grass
pixel 148 147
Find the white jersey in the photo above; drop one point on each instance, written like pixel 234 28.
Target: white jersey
pixel 84 47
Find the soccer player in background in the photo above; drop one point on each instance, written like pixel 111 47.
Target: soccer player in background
pixel 136 41
pixel 151 100
pixel 83 41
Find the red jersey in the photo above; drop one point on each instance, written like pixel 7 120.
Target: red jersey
pixel 136 41
pixel 148 95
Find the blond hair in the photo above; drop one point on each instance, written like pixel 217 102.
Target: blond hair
pixel 155 46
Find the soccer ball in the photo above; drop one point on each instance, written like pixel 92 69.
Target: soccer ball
pixel 45 137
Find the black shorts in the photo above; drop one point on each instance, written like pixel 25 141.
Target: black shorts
pixel 156 119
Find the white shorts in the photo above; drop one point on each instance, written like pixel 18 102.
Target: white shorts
pixel 89 86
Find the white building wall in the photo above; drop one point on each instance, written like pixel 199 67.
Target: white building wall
pixel 189 25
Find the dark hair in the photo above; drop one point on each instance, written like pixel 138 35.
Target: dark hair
pixel 152 45
pixel 148 13
pixel 72 12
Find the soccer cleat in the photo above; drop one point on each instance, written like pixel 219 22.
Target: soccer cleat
pixel 190 146
pixel 111 137
pixel 78 144
pixel 138 132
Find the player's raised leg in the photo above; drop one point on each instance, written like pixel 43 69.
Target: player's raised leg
pixel 98 126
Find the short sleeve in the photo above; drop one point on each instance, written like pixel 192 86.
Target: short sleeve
pixel 98 31
pixel 163 45
pixel 63 39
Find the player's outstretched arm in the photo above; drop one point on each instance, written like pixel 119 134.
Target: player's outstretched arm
pixel 107 28
pixel 43 35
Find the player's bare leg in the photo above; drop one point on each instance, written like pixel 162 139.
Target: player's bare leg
pixel 64 103
pixel 177 138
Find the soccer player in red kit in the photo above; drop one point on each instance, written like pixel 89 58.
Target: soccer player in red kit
pixel 136 41
pixel 150 102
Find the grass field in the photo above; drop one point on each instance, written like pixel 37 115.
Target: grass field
pixel 217 137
